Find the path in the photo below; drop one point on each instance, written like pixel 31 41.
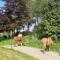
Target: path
pixel 37 53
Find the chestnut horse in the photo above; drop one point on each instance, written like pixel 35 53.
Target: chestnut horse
pixel 20 39
pixel 47 42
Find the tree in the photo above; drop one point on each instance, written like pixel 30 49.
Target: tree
pixel 16 14
pixel 50 23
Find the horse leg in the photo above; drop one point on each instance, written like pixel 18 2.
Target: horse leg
pixel 14 43
pixel 47 48
pixel 21 43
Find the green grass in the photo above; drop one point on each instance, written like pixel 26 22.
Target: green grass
pixel 33 42
pixel 5 42
pixel 55 47
pixel 9 54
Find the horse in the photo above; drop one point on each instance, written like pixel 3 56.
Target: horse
pixel 20 39
pixel 47 42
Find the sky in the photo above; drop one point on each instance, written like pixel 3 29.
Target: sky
pixel 1 3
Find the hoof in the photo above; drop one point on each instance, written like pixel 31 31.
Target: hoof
pixel 43 51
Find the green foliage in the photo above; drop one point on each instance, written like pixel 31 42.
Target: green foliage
pixel 33 42
pixel 50 24
pixel 42 6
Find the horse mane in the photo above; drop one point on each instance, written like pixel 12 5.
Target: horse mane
pixel 15 34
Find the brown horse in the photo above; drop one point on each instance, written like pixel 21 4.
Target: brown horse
pixel 21 39
pixel 47 42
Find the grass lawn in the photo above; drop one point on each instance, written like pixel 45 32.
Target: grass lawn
pixel 55 47
pixel 5 42
pixel 9 54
